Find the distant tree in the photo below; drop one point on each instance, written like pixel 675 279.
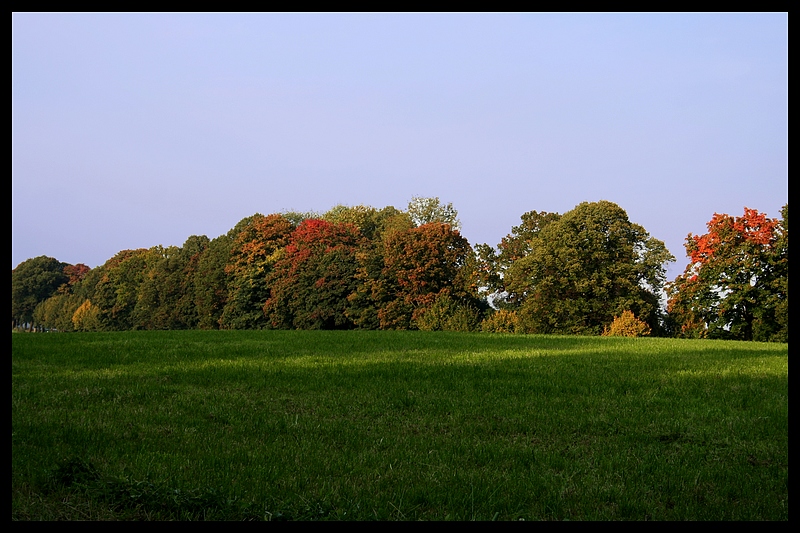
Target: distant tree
pixel 116 291
pixel 257 246
pixel 87 317
pixel 55 313
pixel 428 210
pixel 371 222
pixel 297 217
pixel 166 293
pixel 575 272
pixel 414 268
pixel 210 283
pixel 33 281
pixel 779 292
pixel 736 283
pixel 314 276
pixel 373 287
pixel 493 266
pixel 186 311
pixel 76 273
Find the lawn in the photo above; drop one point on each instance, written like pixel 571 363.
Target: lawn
pixel 365 425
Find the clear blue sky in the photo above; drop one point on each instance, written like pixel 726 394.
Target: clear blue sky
pixel 132 130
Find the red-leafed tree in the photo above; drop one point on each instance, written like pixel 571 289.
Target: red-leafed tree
pixel 736 283
pixel 76 273
pixel 310 283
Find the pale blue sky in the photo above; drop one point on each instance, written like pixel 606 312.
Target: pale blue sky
pixel 132 130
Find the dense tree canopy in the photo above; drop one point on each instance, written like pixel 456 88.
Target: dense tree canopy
pixel 418 266
pixel 494 265
pixel 587 271
pixel 255 249
pixel 575 272
pixel 736 284
pixel 117 291
pixel 311 281
pixel 32 282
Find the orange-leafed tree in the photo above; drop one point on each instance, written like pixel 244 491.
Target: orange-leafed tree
pixel 258 244
pixel 736 283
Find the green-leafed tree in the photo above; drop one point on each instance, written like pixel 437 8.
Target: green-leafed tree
pixel 210 283
pixel 166 295
pixel 117 290
pixel 33 281
pixel 55 313
pixel 582 269
pixel 493 265
pixel 736 284
pixel 297 217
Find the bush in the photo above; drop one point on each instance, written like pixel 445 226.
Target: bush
pixel 501 321
pixel 627 325
pixel 447 314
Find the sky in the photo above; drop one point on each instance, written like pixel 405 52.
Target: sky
pixel 136 130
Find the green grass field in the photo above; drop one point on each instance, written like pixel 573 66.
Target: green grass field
pixel 386 425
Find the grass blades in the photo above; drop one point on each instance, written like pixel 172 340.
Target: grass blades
pixel 361 425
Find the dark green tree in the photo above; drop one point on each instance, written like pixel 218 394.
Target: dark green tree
pixel 576 272
pixel 493 265
pixel 166 295
pixel 210 283
pixel 33 281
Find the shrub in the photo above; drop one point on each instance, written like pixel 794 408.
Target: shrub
pixel 627 325
pixel 501 321
pixel 447 314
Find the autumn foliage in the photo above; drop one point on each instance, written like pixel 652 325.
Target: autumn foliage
pixel 736 284
pixel 627 325
pixel 310 283
pixel 587 271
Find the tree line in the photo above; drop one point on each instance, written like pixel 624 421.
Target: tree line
pixel 589 271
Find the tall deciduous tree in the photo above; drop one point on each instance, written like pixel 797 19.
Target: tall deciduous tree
pixel 117 290
pixel 256 247
pixel 32 282
pixel 493 265
pixel 310 283
pixel 210 283
pixel 416 267
pixel 736 283
pixel 573 273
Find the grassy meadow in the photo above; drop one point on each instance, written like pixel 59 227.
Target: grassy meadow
pixel 388 425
